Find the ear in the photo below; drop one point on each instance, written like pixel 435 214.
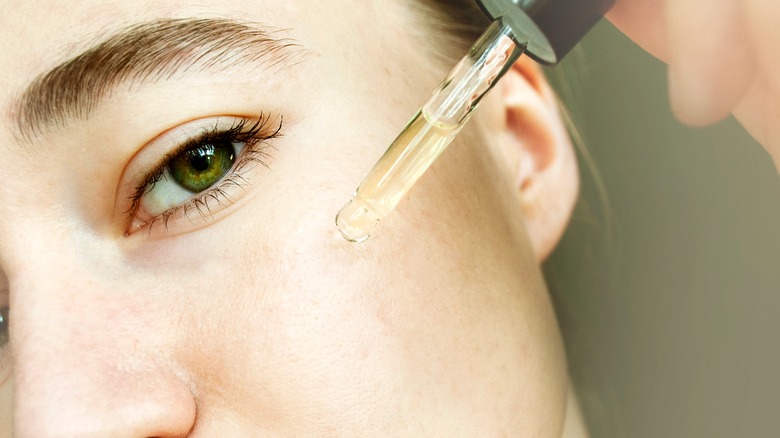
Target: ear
pixel 536 145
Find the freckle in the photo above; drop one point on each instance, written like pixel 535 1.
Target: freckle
pixel 383 316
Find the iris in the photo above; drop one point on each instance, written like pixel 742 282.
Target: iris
pixel 199 168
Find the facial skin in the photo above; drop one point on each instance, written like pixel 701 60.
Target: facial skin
pixel 257 318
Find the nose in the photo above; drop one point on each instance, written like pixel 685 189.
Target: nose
pixel 89 360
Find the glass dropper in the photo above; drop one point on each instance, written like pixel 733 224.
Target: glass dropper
pixel 430 131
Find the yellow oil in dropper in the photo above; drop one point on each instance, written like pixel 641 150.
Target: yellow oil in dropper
pixel 429 132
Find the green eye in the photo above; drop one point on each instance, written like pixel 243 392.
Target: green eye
pixel 4 335
pixel 200 168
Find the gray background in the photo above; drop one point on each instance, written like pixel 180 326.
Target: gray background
pixel 667 283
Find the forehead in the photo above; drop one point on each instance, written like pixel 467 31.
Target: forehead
pixel 39 33
pixel 36 35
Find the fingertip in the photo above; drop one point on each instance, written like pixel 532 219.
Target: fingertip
pixel 764 32
pixel 711 65
pixel 640 20
pixel 692 101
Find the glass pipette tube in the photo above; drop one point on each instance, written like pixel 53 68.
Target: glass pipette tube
pixel 429 132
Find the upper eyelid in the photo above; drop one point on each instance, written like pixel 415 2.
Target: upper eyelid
pixel 162 144
pixel 243 127
pixel 196 139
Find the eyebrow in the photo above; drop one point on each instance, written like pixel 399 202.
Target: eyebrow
pixel 147 52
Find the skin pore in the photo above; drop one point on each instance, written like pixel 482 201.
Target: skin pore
pixel 246 314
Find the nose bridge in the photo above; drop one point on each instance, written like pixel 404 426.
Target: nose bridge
pixel 85 364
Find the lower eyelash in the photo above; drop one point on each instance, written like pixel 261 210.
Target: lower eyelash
pixel 252 154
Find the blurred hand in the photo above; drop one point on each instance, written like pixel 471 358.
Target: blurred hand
pixel 723 56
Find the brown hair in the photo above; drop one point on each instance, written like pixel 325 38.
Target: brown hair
pixel 456 24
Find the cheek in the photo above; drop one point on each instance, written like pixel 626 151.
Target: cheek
pixel 412 324
pixel 285 335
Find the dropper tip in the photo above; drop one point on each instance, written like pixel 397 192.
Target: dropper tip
pixel 356 220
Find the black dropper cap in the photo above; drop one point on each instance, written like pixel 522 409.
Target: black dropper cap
pixel 549 28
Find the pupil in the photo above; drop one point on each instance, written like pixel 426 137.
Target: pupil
pixel 200 163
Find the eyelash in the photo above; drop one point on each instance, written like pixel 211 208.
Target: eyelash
pixel 254 137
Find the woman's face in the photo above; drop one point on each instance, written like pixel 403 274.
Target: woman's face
pixel 144 303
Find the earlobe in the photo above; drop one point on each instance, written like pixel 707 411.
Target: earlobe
pixel 540 155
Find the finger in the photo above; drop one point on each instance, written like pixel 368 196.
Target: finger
pixel 710 58
pixel 641 20
pixel 764 19
pixel 759 113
